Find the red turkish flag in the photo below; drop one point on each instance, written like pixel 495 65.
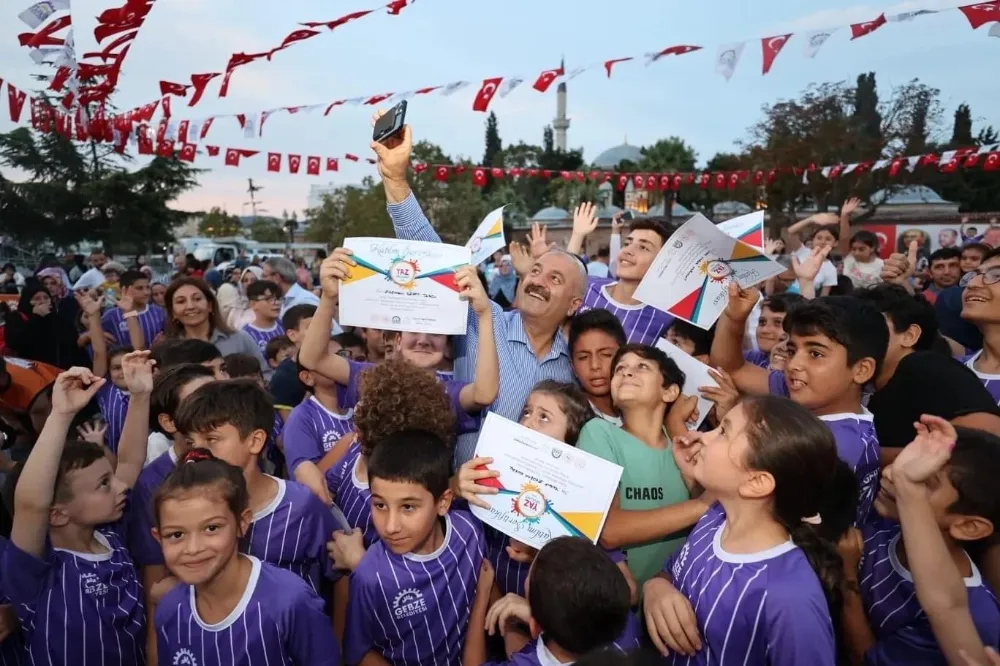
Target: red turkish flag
pixel 425 91
pixel 330 25
pixel 198 82
pixel 486 93
pixel 395 7
pixel 734 180
pixel 772 47
pixel 274 162
pixel 719 181
pixel 678 179
pixel 546 78
pixel 44 36
pixel 704 180
pixel 420 167
pixel 332 164
pixel 353 158
pixel 145 144
pixel 639 181
pixel 992 162
pixel 622 182
pixel 608 64
pixel 497 172
pixel 293 163
pixel 312 165
pixel 188 151
pixel 651 182
pixel 165 105
pixel 182 130
pixel 171 88
pixel 664 182
pixel 108 51
pixel 207 125
pixel 232 157
pixel 15 101
pixel 378 99
pixel 896 165
pixel 859 30
pixel 238 60
pixel 298 36
pixel 213 151
pixel 165 148
pixel 981 14
pixel 441 173
pixel 951 165
pixel 673 50
pixel 479 177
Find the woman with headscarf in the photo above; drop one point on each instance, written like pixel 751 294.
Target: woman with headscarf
pixel 56 281
pixel 503 283
pixel 35 332
pixel 238 312
pixel 158 290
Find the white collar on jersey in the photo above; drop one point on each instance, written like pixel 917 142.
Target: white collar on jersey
pixel 273 504
pixel 863 415
pixel 241 606
pixel 92 557
pixel 975 580
pixel 546 658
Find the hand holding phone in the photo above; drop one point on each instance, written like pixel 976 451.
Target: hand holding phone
pixel 390 125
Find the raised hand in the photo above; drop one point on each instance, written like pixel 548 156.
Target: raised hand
pixel 394 153
pixel 928 452
pixel 346 549
pixel 93 432
pixel 617 224
pixel 125 302
pixel 138 370
pixel 808 268
pixel 472 290
pixel 90 306
pixel 898 268
pixel 741 301
pixel 73 389
pixel 584 219
pixel 335 268
pixel 520 258
pixel 467 486
pixel 850 206
pixel 537 240
pixel 725 395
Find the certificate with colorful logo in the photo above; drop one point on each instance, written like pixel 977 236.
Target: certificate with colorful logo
pixel 401 285
pixel 690 276
pixel 547 489
pixel 748 228
pixel 488 237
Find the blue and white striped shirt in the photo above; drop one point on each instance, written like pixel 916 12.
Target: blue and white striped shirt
pixel 520 369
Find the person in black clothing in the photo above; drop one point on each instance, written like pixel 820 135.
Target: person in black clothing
pixel 36 332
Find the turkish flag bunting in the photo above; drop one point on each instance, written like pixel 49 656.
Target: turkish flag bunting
pixel 496 172
pixel 332 164
pixel 639 181
pixel 992 162
pixel 719 181
pixel 673 50
pixel 486 93
pixel 704 180
pixel 165 149
pixel 441 173
pixel 896 165
pixel 15 102
pixel 109 52
pixel 238 60
pixel 198 82
pixel 188 151
pixel 836 171
pixel 293 163
pixel 650 182
pixel 395 7
pixel 861 29
pixel 298 36
pixel 165 104
pixel 338 22
pixel 353 158
pixel 274 162
pixel 145 144
pixel 44 36
pixel 170 88
pixel 677 180
pixel 734 180
pixel 479 177
pixel 312 165
pixel 772 47
pixel 232 157
pixel 378 99
pixel 608 64
pixel 420 167
pixel 981 14
pixel 546 78
pixel 213 151
pixel 182 130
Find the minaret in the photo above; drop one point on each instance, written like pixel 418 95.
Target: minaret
pixel 561 123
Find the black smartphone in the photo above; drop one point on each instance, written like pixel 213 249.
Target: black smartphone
pixel 628 216
pixel 391 123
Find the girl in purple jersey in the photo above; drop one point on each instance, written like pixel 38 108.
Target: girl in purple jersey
pixel 231 608
pixel 759 580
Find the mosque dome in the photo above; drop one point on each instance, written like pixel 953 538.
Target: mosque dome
pixel 551 213
pixel 677 210
pixel 911 194
pixel 612 157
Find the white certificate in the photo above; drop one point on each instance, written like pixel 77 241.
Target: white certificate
pixel 547 489
pixel 401 285
pixel 690 276
pixel 695 374
pixel 747 228
pixel 488 237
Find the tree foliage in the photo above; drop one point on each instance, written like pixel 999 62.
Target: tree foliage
pixel 267 230
pixel 217 223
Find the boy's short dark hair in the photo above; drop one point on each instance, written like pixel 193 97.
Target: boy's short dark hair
pixel 413 456
pixel 577 595
pixel 597 319
pixel 851 323
pixel 604 252
pixel 171 352
pixel 668 368
pixel 165 398
pixel 782 302
pixel 866 238
pixel 973 470
pixel 76 454
pixel 293 317
pixel 275 345
pixel 115 352
pixel 835 232
pixel 944 254
pixel 701 338
pixel 260 288
pixel 982 248
pixel 241 403
pixel 128 278
pixel 243 366
pixel 349 339
pixel 651 225
pixel 903 310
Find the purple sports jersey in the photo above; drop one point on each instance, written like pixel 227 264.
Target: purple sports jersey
pixel 113 403
pixel 12 648
pixel 312 430
pixel 263 335
pixel 757 357
pixel 278 621
pixel 991 382
pixel 352 495
pixel 536 654
pixel 857 445
pixel 756 608
pixel 78 608
pixel 144 548
pixel 414 609
pixel 291 533
pixel 643 324
pixel 152 321
pixel 902 631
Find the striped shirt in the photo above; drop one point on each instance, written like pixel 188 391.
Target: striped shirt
pixel 756 608
pixel 520 368
pixel 152 320
pixel 263 335
pixel 643 324
pixel 145 549
pixel 991 382
pixel 352 495
pixel 12 651
pixel 411 609
pixel 278 621
pixel 312 430
pixel 291 533
pixel 536 654
pixel 113 403
pixel 903 634
pixel 78 608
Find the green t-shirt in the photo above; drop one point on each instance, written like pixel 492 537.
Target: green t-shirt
pixel 650 480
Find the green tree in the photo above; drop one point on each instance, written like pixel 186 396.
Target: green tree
pixel 217 223
pixel 671 154
pixel 961 134
pixel 494 145
pixel 267 230
pixel 349 211
pixel 868 118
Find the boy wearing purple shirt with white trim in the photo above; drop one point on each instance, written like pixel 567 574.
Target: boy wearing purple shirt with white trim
pixel 152 318
pixel 264 297
pixel 412 594
pixel 66 568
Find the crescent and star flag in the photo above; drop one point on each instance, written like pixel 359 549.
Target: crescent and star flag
pixel 981 14
pixel 670 50
pixel 859 30
pixel 274 162
pixel 772 47
pixel 608 64
pixel 546 78
pixel 293 163
pixel 312 165
pixel 479 177
pixel 486 93
pixel 15 102
pixel 332 164
pixel 488 237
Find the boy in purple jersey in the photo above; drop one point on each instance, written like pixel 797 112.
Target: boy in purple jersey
pixel 836 346
pixel 594 338
pixel 134 304
pixel 883 618
pixel 264 297
pixel 758 580
pixel 189 350
pixel 576 603
pixel 112 398
pixel 66 568
pixel 12 651
pixel 290 526
pixel 231 609
pixel 412 594
pixel 770 328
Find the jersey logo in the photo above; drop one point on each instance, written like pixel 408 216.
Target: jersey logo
pixel 184 657
pixel 408 602
pixel 680 562
pixel 330 437
pixel 93 586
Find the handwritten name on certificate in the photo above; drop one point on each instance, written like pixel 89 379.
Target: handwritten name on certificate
pixel 401 285
pixel 547 489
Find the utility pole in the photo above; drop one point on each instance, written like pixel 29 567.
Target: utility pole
pixel 252 189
